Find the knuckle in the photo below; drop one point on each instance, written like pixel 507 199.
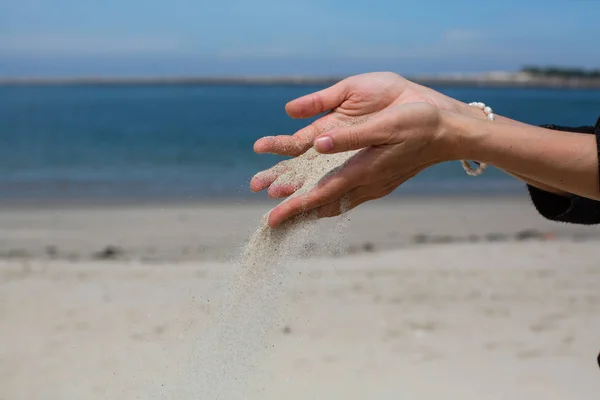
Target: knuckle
pixel 324 198
pixel 317 101
pixel 352 140
pixel 292 208
pixel 369 179
pixel 389 136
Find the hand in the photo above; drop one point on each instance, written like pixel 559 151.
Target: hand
pixel 396 145
pixel 352 101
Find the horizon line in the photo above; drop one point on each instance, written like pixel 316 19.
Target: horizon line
pixel 499 78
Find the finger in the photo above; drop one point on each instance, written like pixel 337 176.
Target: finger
pixel 315 103
pixel 288 145
pixel 264 179
pixel 338 208
pixel 347 202
pixel 279 191
pixel 377 131
pixel 332 209
pixel 325 192
pixel 298 143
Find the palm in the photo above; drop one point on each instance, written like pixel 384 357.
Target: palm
pixel 352 101
pixel 368 95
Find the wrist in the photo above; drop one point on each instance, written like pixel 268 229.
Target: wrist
pixel 464 135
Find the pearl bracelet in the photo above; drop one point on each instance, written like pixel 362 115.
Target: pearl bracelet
pixel 481 166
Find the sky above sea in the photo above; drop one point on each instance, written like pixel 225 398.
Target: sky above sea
pixel 273 37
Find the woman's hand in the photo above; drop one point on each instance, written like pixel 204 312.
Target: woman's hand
pixel 377 111
pixel 396 145
pixel 352 101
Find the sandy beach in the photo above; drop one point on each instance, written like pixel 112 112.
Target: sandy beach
pixel 428 298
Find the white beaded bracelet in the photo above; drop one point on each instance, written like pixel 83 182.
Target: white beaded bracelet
pixel 482 166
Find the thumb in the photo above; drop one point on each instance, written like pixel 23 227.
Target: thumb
pixel 370 133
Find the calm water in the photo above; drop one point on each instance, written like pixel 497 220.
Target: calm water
pixel 196 142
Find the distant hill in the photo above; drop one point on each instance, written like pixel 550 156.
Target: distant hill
pixel 530 76
pixel 558 72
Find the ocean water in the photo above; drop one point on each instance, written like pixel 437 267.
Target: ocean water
pixel 195 142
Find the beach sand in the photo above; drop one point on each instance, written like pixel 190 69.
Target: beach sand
pixel 437 298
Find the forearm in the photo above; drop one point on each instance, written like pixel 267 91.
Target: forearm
pixel 562 161
pixel 538 184
pixel 465 109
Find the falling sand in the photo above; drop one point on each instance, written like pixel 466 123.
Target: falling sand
pixel 227 359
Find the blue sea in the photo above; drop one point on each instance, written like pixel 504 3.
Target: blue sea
pixel 195 142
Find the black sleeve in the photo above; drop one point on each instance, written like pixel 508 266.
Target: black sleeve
pixel 572 209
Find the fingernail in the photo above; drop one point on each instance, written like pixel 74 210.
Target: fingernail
pixel 324 144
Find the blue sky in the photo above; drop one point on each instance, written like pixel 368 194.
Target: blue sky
pixel 278 37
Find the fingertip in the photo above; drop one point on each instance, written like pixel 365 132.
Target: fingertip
pixel 324 144
pixel 272 223
pixel 282 145
pixel 255 185
pixel 284 211
pixel 331 142
pixel 263 144
pixel 262 180
pixel 300 108
pixel 274 219
pixel 292 109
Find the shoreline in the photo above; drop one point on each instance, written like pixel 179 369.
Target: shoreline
pixel 494 80
pixel 202 231
pixel 260 200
